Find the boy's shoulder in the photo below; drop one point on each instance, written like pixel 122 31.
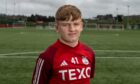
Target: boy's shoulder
pixel 49 52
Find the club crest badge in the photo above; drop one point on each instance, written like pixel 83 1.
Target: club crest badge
pixel 85 60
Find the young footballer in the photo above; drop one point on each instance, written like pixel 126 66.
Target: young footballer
pixel 67 61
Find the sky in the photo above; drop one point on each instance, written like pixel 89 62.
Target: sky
pixel 89 8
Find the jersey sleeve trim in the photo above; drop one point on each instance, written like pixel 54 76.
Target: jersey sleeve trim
pixel 38 69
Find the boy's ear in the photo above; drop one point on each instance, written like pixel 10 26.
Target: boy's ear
pixel 82 26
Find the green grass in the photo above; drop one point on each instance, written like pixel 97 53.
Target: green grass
pixel 108 70
pixel 16 71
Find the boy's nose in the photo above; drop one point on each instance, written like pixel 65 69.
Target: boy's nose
pixel 71 27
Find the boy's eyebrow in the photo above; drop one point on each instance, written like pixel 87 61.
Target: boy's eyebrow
pixel 69 22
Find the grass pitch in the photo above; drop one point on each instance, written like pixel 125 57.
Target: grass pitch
pixel 117 54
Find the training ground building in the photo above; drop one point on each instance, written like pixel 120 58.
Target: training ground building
pixel 110 22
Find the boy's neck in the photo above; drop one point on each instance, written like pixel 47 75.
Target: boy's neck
pixel 71 44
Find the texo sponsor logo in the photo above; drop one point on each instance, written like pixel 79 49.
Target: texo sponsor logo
pixel 72 75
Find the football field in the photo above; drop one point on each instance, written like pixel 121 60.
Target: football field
pixel 117 54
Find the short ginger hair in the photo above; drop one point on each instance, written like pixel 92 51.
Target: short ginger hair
pixel 65 12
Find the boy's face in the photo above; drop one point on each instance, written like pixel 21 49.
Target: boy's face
pixel 70 30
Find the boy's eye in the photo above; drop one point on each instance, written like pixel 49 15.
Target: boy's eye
pixel 76 24
pixel 66 24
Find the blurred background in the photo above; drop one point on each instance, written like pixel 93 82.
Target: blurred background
pixel 111 14
pixel 111 29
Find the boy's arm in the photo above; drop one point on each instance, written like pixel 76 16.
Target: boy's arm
pixel 42 72
pixel 93 67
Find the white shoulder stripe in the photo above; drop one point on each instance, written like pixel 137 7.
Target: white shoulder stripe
pixel 38 70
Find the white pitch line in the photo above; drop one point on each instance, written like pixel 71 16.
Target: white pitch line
pixel 118 57
pixel 20 57
pixel 24 53
pixel 20 53
pixel 34 57
pixel 121 51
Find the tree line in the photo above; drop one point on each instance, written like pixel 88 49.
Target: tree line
pixel 9 19
pixel 36 19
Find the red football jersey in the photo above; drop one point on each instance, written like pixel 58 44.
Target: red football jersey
pixel 62 64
